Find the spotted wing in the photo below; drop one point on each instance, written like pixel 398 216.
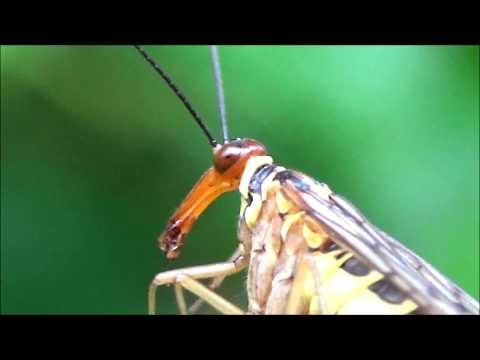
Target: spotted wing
pixel 348 227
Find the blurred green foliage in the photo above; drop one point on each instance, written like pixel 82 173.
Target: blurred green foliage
pixel 96 153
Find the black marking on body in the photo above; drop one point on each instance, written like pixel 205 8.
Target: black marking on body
pixel 387 291
pixel 330 246
pixel 259 177
pixel 341 254
pixel 259 250
pixel 285 175
pixel 355 267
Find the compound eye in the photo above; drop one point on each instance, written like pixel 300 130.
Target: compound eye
pixel 226 158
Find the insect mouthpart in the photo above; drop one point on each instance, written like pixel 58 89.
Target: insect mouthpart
pixel 171 240
pixel 229 164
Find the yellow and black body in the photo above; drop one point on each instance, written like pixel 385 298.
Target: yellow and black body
pixel 312 252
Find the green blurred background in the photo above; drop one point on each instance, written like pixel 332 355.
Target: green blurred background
pixel 96 153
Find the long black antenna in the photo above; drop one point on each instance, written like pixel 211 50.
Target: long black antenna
pixel 217 72
pixel 177 92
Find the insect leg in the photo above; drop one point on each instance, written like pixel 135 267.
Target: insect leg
pixel 215 300
pixel 186 278
pixel 182 305
pixel 216 282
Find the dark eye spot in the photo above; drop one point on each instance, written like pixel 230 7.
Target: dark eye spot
pixel 225 161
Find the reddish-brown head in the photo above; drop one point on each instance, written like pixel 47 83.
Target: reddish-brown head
pixel 229 161
pixel 231 158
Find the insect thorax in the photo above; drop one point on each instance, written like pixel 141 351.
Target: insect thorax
pixel 291 255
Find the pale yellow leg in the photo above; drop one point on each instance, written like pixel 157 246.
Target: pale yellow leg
pixel 182 305
pixel 215 300
pixel 186 278
pixel 216 282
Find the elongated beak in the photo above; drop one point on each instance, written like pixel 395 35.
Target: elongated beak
pixel 210 186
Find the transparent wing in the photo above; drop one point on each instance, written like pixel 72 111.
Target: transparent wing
pixel 347 226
